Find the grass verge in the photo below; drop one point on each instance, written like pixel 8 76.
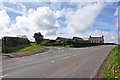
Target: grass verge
pixel 112 69
pixel 26 49
pixel 67 46
pixel 0 49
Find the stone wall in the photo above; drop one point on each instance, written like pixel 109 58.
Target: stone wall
pixel 76 44
pixel 8 43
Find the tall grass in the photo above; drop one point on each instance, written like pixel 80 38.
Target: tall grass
pixel 109 71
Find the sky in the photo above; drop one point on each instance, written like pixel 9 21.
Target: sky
pixel 63 19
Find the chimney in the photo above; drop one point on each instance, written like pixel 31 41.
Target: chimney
pixel 102 36
pixel 90 36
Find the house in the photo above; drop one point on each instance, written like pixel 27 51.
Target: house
pixel 96 39
pixel 63 39
pixel 78 39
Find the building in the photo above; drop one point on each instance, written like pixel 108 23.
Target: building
pixel 96 39
pixel 78 39
pixel 63 39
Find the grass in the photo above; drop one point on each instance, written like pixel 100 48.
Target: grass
pixel 0 49
pixel 26 49
pixel 31 48
pixel 112 67
pixel 67 46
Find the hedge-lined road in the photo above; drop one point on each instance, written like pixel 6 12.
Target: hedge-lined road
pixel 58 63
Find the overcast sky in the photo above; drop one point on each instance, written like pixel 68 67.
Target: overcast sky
pixel 64 19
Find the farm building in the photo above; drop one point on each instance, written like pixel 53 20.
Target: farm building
pixel 96 39
pixel 78 39
pixel 63 39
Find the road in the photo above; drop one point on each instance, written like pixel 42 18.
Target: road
pixel 58 63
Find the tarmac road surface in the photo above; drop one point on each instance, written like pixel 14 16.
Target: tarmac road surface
pixel 58 63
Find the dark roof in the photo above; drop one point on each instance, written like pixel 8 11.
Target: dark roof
pixel 77 38
pixel 61 38
pixel 96 38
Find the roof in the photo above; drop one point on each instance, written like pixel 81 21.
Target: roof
pixel 96 38
pixel 61 38
pixel 77 38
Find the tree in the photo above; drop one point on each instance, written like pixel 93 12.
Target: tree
pixel 38 37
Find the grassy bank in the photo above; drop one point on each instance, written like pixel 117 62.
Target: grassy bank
pixel 112 69
pixel 0 49
pixel 67 46
pixel 26 49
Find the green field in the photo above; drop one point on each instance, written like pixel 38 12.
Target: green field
pixel 112 69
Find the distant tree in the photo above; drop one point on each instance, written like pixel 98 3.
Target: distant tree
pixel 38 37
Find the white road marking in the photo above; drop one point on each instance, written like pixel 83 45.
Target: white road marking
pixel 52 61
pixel 36 54
pixel 66 57
pixel 43 53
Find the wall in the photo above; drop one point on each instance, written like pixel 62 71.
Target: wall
pixel 8 43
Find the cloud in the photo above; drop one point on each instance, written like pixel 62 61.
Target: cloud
pixel 41 20
pixel 109 37
pixel 4 22
pixel 83 18
pixel 22 7
pixel 116 14
pixel 9 9
pixel 61 0
pixel 117 22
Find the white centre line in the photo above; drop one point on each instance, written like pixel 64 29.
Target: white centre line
pixel 66 57
pixel 52 61
pixel 36 54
